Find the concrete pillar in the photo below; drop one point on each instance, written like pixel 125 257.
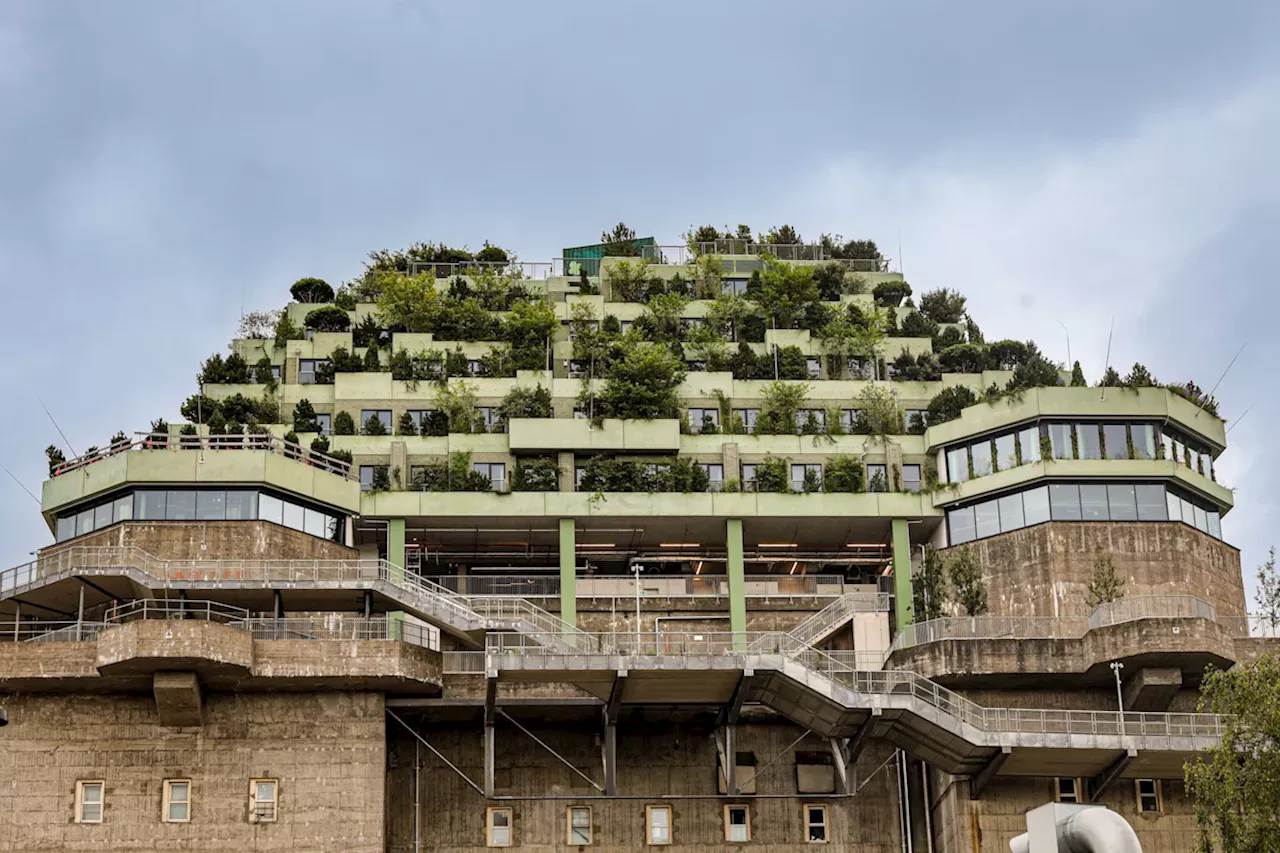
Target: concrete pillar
pixel 399 470
pixel 395 547
pixel 568 571
pixel 729 457
pixel 737 581
pixel 566 463
pixel 893 465
pixel 290 369
pixel 902 607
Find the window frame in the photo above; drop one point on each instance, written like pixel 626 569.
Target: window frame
pixel 809 824
pixel 166 814
pixel 1058 793
pixel 569 820
pixel 1155 794
pixel 500 485
pixel 649 812
pixel 81 786
pixel 254 802
pixel 729 808
pixel 918 479
pixel 489 826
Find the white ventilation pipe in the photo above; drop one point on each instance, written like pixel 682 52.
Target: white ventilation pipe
pixel 1068 828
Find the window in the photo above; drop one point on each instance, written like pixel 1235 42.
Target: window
pixel 1006 453
pixel 748 418
pixel 806 477
pixel 958 465
pixel 89 802
pixel 749 476
pixel 577 368
pixel 307 369
pixel 263 794
pixel 475 367
pixel 915 418
pixel 658 821
pixel 877 478
pixel 578 473
pixel 1151 504
pixel 1143 437
pixel 177 800
pixel 492 420
pixel 737 824
pixel 986 519
pixel 498 828
pixel 847 417
pixel 1148 796
pixel 733 286
pixel 1064 501
pixel 815 821
pixel 1121 502
pixel 1116 438
pixel 1066 790
pixel 419 417
pixel 715 475
pixel 861 367
pixel 1060 441
pixel 579 825
pixel 495 471
pixel 814 367
pixel 1089 441
pixel 911 478
pixel 981 453
pixel 1029 444
pixel 1035 506
pixel 369 474
pixel 1093 502
pixel 326 423
pixel 1011 517
pixel 960 526
pixel 816 416
pixel 704 420
pixel 211 506
pixel 383 416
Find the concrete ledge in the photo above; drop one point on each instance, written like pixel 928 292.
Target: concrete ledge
pixel 150 646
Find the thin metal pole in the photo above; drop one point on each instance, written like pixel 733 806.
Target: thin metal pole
pixel 550 750
pixel 1116 667
pixel 760 770
pixel 436 752
pixel 417 800
pixel 637 573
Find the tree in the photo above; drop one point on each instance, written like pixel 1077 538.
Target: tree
pixel 917 325
pixel 784 235
pixel 372 364
pixel 286 330
pixel 55 456
pixel 1036 372
pixel 1267 593
pixel 528 328
pixel 780 407
pixel 330 318
pixel 1106 585
pixel 407 425
pixel 1007 354
pixel 889 294
pixel 304 417
pixel 457 400
pixel 843 337
pixel 311 290
pixel 1110 379
pixel 1140 377
pixel 929 587
pixel 526 403
pixel 784 290
pixel 256 325
pixel 1077 376
pixel 942 305
pixel 409 302
pixel 878 413
pixel 343 424
pixel 970 588
pixel 620 242
pixel 644 383
pixel 1233 784
pixel 237 369
pixel 964 358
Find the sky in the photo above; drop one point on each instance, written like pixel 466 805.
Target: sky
pixel 166 166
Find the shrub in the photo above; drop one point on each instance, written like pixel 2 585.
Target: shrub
pixel 920 368
pixel 286 330
pixel 536 474
pixel 963 358
pixel 343 424
pixel 917 325
pixel 262 373
pixel 372 364
pixel 947 404
pixel 1007 355
pixel 834 280
pixel 366 333
pixel 1037 371
pixel 643 384
pixel 943 305
pixel 842 473
pixel 772 475
pixel 783 290
pixel 319 444
pixel 780 407
pixel 526 403
pixel 889 294
pixel 311 290
pixel 304 417
pixel 878 412
pixel 330 318
pixel 792 363
pixel 407 425
pixel 948 337
pixel 837 247
pixel 55 456
pixel 631 280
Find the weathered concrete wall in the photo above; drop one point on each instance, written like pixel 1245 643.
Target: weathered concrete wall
pixel 654 758
pixel 986 826
pixel 213 540
pixel 1045 570
pixel 328 751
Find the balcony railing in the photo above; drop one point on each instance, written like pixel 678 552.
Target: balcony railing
pixel 1130 609
pixel 252 441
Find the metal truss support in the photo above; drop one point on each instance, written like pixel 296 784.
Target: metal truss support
pixel 543 744
pixel 983 777
pixel 845 751
pixel 435 752
pixel 609 743
pixel 490 708
pixel 1106 778
pixel 726 748
pixel 729 713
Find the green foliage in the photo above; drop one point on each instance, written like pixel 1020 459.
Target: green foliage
pixel 406 425
pixel 1077 376
pixel 784 290
pixel 398 260
pixel 943 305
pixel 780 407
pixel 643 384
pixel 889 294
pixel 528 328
pixel 1110 379
pixel 853 333
pixel 457 400
pixel 1233 784
pixel 1267 591
pixel 1007 354
pixel 963 358
pixel 492 254
pixel 631 280
pixel 842 473
pixel 784 235
pixel 1036 372
pixel 745 364
pixel 772 475
pixel 367 332
pixel 409 302
pixel 330 318
pixel 374 426
pixel 311 290
pixel 1194 394
pixel 606 473
pixel 917 325
pixel 972 331
pixel 970 588
pixel 536 474
pixel 262 373
pixel 620 242
pixel 923 367
pixel 834 280
pixel 835 246
pixel 948 403
pixel 304 417
pixel 585 286
pixel 372 364
pixel 340 361
pixel 791 362
pixel 1106 584
pixel 451 474
pixel 526 403
pixel 660 321
pixel 878 412
pixel 286 330
pixel 319 444
pixel 55 456
pixel 341 456
pixel 929 586
pixel 345 298
pixel 343 424
pixel 234 370
pixel 948 337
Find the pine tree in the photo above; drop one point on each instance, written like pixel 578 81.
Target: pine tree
pixel 1107 585
pixel 970 589
pixel 1077 376
pixel 929 587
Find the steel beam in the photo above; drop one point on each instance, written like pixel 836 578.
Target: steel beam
pixel 729 713
pixel 615 698
pixel 1107 777
pixel 726 748
pixel 983 777
pixel 609 758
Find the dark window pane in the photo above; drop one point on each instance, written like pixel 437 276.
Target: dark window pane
pixel 1151 505
pixel 1093 503
pixel 1116 437
pixel 66 527
pixel 987 518
pixel 211 506
pixel 84 522
pixel 149 506
pixel 1120 500
pixel 122 508
pixel 1089 440
pixel 960 522
pixel 1064 501
pixel 1010 513
pixel 182 506
pixel 1035 505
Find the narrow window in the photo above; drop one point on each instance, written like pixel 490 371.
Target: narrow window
pixel 177 800
pixel 263 794
pixel 89 802
pixel 579 825
pixel 911 478
pixel 498 828
pixel 715 475
pixel 1148 796
pixel 815 819
pixel 1066 789
pixel 658 821
pixel 737 824
pixel 748 476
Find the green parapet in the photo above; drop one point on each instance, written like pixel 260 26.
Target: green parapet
pixel 395 548
pixel 395 625
pixel 568 572
pixel 902 596
pixel 737 583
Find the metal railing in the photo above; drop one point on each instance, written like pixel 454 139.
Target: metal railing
pixel 463 663
pixel 253 441
pixel 174 608
pixel 838 612
pixel 52 632
pixel 519 270
pixel 342 628
pixel 1133 608
pixel 522 586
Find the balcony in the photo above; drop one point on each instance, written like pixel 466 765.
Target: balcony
pixel 579 434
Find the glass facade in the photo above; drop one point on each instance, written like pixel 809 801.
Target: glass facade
pixel 199 505
pixel 1079 502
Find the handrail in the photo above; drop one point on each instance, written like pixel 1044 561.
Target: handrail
pixel 174 608
pixel 251 441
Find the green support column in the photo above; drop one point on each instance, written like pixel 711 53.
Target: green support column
pixel 902 598
pixel 395 547
pixel 737 582
pixel 568 572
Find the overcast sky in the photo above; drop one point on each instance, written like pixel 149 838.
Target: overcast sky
pixel 163 164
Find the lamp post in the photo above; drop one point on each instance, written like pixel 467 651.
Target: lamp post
pixel 1116 667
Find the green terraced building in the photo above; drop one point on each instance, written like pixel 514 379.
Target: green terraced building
pixel 491 555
